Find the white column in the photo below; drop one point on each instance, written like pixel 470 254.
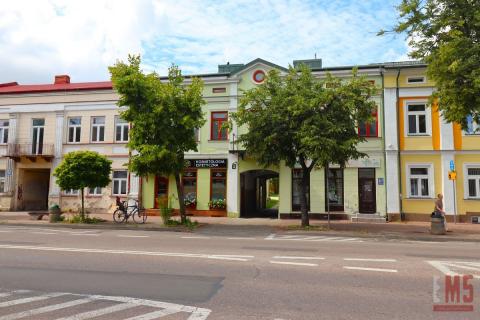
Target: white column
pixel 12 139
pixel 134 181
pixel 232 185
pixel 58 148
pixel 448 154
pixel 391 150
pixel 233 108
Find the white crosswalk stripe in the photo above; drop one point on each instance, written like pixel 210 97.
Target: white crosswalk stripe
pixel 311 238
pixel 41 303
pixel 457 267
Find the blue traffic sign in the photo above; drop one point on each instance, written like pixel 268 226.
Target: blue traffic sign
pixel 452 165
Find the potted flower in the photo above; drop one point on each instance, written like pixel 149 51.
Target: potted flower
pixel 217 204
pixel 190 203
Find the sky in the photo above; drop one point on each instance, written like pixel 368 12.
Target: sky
pixel 43 38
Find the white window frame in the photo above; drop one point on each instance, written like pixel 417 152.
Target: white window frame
pixel 70 192
pixel 424 80
pixel 119 123
pixel 430 177
pixel 97 191
pixel 475 129
pixel 119 181
pixel 4 128
pixel 3 181
pixel 466 195
pixel 428 118
pixel 75 128
pixel 98 126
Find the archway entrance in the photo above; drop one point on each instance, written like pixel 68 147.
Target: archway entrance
pixel 259 194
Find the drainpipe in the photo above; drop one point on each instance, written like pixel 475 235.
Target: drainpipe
pixel 399 163
pixel 383 146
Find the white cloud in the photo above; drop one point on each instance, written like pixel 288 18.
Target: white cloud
pixel 42 38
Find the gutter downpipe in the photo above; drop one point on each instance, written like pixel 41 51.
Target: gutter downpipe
pixel 383 146
pixel 399 163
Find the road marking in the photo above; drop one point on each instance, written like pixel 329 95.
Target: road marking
pixel 5 231
pixel 154 315
pixel 195 237
pixel 372 260
pixel 241 238
pixel 298 258
pixel 99 312
pixel 127 236
pixel 5 294
pixel 84 234
pixel 132 252
pixel 446 267
pixel 295 263
pixel 39 232
pixel 371 269
pixel 30 299
pixel 309 238
pixel 41 310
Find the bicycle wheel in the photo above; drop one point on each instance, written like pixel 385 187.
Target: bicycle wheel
pixel 140 216
pixel 119 216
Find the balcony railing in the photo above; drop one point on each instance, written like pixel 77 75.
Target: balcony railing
pixel 29 150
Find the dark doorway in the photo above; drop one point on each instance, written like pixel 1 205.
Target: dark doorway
pixel 32 193
pixel 335 193
pixel 259 194
pixel 367 201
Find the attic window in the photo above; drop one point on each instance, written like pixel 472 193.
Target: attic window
pixel 219 90
pixel 415 79
pixel 258 76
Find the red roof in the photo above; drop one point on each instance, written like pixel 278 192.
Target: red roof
pixel 13 87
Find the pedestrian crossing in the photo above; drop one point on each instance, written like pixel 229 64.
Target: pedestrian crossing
pixel 453 267
pixel 294 237
pixel 20 304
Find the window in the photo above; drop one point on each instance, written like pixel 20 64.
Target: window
pixel 4 131
pixel 297 190
pixel 121 129
pixel 419 181
pixel 219 185
pixel 219 90
pixel 120 180
pixel 196 133
pixel 369 128
pixel 161 192
pixel 97 191
pixel 189 179
pixel 2 180
pixel 473 182
pixel 70 192
pixel 335 192
pixel 417 119
pixel 473 127
pixel 415 79
pixel 98 129
pixel 74 129
pixel 219 119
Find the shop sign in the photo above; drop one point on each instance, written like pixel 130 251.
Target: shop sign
pixel 206 163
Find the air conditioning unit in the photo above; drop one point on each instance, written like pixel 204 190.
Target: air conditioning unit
pixel 475 219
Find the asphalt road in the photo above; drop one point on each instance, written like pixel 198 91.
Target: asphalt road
pixel 226 272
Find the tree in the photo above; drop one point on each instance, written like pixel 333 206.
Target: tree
pixel 83 169
pixel 302 120
pixel 446 35
pixel 163 116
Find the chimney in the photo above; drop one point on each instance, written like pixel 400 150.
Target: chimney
pixel 62 79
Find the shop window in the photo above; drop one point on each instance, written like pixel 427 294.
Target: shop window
pixel 2 180
pixel 98 129
pixel 121 129
pixel 473 127
pixel 4 124
pixel 473 182
pixel 297 190
pixel 335 190
pixel 219 120
pixel 417 119
pixel 369 128
pixel 161 192
pixel 189 179
pixel 218 185
pixel 97 191
pixel 74 129
pixel 120 181
pixel 419 181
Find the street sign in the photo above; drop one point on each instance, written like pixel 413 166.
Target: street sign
pixel 452 165
pixel 452 175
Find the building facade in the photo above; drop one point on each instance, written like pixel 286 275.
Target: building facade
pixel 409 145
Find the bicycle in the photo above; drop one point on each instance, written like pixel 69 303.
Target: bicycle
pixel 124 211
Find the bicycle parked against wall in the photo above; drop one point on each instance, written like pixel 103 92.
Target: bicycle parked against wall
pixel 125 210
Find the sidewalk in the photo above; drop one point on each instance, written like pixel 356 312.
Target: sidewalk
pixel 223 226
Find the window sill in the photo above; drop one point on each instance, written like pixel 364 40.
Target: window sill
pixel 213 140
pixel 471 199
pixel 418 135
pixel 420 198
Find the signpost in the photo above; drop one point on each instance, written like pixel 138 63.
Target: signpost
pixel 452 175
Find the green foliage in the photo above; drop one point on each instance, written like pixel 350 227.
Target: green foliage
pixel 187 223
pixel 300 119
pixel 81 169
pixel 166 214
pixel 164 116
pixel 446 35
pixel 217 204
pixel 83 219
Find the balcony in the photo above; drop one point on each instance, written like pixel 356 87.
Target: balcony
pixel 30 151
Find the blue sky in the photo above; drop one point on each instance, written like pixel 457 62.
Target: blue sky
pixel 82 38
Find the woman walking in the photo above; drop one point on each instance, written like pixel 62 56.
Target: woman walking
pixel 439 209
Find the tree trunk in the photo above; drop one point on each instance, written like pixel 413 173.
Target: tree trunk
pixel 82 213
pixel 327 168
pixel 181 201
pixel 303 196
